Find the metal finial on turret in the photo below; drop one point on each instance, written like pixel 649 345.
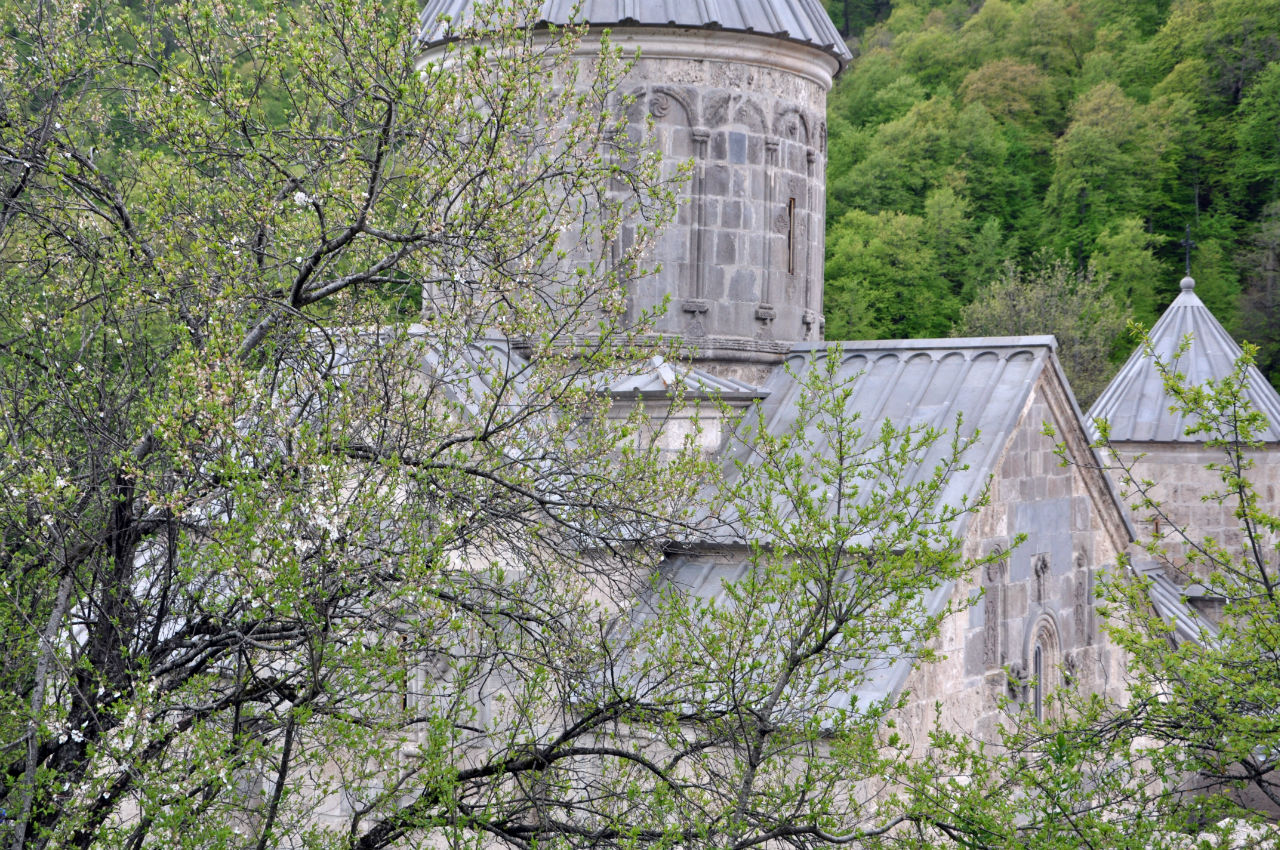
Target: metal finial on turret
pixel 1188 282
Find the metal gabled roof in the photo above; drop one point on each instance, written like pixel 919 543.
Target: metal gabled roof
pixel 1170 602
pixel 917 382
pixel 804 21
pixel 921 382
pixel 665 379
pixel 1135 404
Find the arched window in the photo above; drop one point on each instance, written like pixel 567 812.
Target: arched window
pixel 1042 667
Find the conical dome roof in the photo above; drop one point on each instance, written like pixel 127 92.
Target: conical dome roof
pixel 804 21
pixel 1135 404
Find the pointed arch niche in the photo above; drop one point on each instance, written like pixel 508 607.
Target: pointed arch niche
pixel 1043 654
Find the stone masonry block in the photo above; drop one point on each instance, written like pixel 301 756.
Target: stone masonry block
pixel 1016 601
pixel 727 248
pixel 731 215
pixel 973 657
pixel 716 181
pixel 719 146
pixel 742 286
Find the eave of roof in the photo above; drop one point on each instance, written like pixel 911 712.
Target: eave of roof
pixel 801 21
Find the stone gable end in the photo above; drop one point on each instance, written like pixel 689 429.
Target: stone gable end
pixel 1041 593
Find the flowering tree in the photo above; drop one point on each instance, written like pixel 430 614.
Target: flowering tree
pixel 318 525
pixel 253 484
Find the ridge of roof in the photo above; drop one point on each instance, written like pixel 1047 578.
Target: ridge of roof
pixel 662 377
pixel 936 344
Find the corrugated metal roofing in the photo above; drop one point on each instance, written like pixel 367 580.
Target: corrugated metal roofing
pixel 1169 600
pixel 804 21
pixel 1135 404
pixel 918 382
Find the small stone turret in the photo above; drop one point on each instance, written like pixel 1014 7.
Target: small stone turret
pixel 740 89
pixel 1142 426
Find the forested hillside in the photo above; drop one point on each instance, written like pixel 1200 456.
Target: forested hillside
pixel 965 136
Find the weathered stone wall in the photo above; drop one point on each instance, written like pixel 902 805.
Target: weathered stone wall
pixel 1181 481
pixel 742 264
pixel 1041 591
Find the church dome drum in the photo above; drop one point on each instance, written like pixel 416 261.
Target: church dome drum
pixel 739 88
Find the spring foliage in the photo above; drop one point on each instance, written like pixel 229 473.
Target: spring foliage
pixel 318 526
pixel 1094 130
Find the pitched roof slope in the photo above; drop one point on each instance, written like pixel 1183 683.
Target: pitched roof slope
pixel 804 21
pixel 1135 404
pixel 919 382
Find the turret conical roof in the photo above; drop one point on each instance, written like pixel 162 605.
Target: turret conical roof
pixel 1135 404
pixel 804 21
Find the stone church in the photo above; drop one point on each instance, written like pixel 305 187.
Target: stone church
pixel 739 88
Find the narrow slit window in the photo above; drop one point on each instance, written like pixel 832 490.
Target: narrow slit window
pixel 1037 685
pixel 791 235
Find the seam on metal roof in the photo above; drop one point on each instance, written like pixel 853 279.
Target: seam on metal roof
pixel 803 21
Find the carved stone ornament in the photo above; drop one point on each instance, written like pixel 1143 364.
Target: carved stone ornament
pixel 998 567
pixel 696 308
pixel 782 221
pixel 659 105
pixel 992 656
pixel 1042 575
pixel 1017 679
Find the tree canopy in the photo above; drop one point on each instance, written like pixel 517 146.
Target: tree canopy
pixel 1099 131
pixel 320 524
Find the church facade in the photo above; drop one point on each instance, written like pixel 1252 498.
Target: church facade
pixel 738 89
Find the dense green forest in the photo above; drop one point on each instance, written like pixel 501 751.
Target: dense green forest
pixel 966 136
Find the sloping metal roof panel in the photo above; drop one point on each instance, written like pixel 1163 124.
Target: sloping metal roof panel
pixel 664 378
pixel 1135 404
pixel 804 21
pixel 1170 601
pixel 920 382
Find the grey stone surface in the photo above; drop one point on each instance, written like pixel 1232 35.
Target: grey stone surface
pixel 746 113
